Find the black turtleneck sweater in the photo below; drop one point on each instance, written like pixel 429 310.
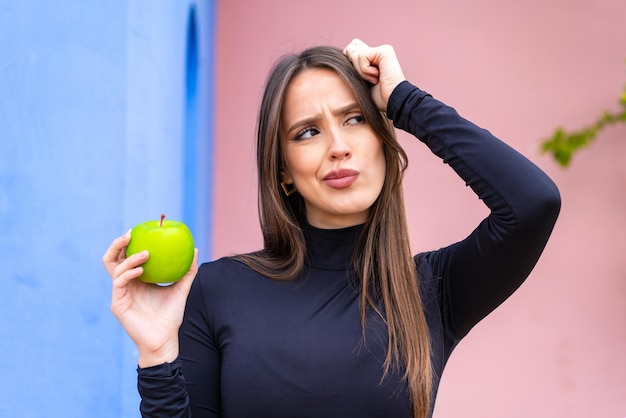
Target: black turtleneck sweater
pixel 255 347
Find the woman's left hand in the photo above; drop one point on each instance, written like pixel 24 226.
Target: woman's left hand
pixel 378 65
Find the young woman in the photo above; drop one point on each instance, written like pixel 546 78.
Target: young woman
pixel 334 317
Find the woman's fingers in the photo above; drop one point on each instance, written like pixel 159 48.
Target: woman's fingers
pixel 193 270
pixel 115 253
pixel 120 268
pixel 120 282
pixel 378 65
pixel 354 48
pixel 187 279
pixel 357 52
pixel 129 263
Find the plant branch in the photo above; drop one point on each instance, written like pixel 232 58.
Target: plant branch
pixel 563 144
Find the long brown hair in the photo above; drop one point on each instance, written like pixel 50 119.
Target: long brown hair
pixel 383 258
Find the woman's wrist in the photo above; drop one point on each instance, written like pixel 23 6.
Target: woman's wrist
pixel 167 353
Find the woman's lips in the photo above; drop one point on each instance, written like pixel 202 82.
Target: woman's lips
pixel 340 179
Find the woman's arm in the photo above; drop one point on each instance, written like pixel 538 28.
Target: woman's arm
pixel 483 270
pixel 190 386
pixel 480 272
pixel 152 316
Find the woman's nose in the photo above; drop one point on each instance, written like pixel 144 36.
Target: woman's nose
pixel 339 147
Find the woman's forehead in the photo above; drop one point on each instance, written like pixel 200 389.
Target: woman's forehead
pixel 314 89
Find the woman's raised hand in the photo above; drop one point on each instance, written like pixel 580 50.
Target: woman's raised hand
pixel 379 65
pixel 150 314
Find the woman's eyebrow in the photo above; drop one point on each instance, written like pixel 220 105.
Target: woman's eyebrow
pixel 350 107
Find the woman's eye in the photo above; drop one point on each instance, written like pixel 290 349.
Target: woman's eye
pixel 355 120
pixel 306 133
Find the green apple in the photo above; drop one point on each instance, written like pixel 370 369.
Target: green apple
pixel 170 249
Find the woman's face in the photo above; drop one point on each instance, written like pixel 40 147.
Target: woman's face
pixel 332 154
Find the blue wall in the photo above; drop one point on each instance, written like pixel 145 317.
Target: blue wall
pixel 104 119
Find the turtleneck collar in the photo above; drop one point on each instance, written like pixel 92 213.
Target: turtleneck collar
pixel 331 249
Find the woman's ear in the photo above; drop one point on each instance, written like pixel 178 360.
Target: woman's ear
pixel 285 177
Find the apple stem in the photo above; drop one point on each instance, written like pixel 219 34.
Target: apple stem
pixel 162 217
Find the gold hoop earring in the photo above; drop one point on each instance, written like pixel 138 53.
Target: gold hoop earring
pixel 288 188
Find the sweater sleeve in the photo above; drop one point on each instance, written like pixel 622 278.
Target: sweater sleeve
pixel 478 273
pixel 163 392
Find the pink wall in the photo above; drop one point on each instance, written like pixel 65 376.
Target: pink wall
pixel 557 348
